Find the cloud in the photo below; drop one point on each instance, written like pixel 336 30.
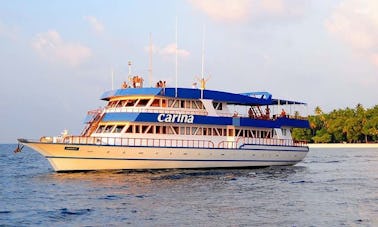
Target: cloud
pixel 355 22
pixel 96 25
pixel 244 10
pixel 168 50
pixel 223 10
pixel 52 47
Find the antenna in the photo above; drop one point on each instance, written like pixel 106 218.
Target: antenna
pixel 203 51
pixel 176 57
pixel 129 77
pixel 150 62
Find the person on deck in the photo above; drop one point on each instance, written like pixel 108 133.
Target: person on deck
pixel 267 112
pixel 283 113
pixel 250 113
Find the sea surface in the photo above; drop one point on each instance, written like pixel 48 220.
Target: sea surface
pixel 331 187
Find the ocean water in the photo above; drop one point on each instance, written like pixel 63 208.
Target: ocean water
pixel 331 187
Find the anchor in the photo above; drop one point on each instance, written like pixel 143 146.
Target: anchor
pixel 19 148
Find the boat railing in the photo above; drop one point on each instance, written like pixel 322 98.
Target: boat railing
pixel 273 117
pixel 242 141
pixel 148 142
pixel 153 110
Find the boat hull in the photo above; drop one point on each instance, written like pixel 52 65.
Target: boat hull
pixel 79 157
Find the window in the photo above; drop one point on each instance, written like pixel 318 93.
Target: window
pixel 108 128
pixel 118 128
pixel 187 104
pixel 164 103
pixel 219 131
pixel 199 131
pixel 176 104
pixel 194 106
pixel 142 102
pixel 170 102
pixel 199 105
pixel 100 129
pixel 123 103
pixel 156 103
pixel 112 103
pixel 119 104
pixel 237 132
pixel 158 129
pixel 129 129
pixel 130 102
pixel 137 128
pixel 217 105
pixel 150 129
pixel 144 128
pixel 194 130
pixel 172 130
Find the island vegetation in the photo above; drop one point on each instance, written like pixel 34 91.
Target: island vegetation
pixel 350 125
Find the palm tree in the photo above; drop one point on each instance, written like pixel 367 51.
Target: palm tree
pixel 318 110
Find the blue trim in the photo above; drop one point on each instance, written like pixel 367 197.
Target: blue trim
pixel 203 148
pixel 211 120
pixel 131 91
pixel 174 160
pixel 190 93
pixel 261 94
pixel 249 98
pixel 236 121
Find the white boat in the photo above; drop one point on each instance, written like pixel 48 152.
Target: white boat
pixel 167 127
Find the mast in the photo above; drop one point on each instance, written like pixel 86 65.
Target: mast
pixel 150 62
pixel 176 58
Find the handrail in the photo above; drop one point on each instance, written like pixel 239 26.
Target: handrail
pixel 273 117
pixel 153 142
pixel 241 141
pixel 153 110
pixel 149 142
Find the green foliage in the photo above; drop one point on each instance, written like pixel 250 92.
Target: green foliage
pixel 342 125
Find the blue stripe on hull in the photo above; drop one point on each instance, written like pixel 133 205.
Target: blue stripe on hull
pixel 173 160
pixel 210 120
pixel 205 148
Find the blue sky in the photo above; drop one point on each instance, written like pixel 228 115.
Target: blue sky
pixel 56 56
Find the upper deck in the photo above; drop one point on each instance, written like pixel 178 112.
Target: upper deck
pixel 203 106
pixel 248 99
